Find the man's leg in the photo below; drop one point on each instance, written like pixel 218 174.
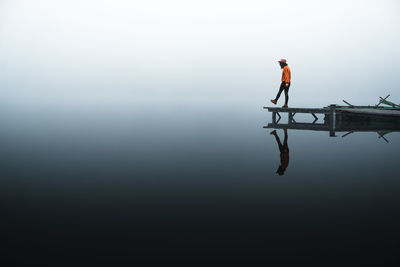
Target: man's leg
pixel 281 88
pixel 286 95
pixel 278 141
pixel 286 138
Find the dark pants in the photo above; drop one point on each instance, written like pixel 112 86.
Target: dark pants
pixel 281 88
pixel 283 148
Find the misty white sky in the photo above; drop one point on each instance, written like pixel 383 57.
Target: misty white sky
pixel 81 50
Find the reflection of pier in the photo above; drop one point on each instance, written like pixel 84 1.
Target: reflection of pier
pixel 335 120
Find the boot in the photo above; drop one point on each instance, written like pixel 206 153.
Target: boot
pixel 273 132
pixel 273 101
pixel 285 106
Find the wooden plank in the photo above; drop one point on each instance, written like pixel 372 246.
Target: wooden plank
pixel 297 110
pixel 366 111
pixel 348 103
pixel 315 117
pixel 346 134
pixel 377 105
pixel 298 126
pixel 322 127
pixel 355 109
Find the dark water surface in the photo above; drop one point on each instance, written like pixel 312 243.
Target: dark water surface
pixel 184 183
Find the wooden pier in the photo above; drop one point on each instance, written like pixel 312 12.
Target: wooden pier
pixel 328 111
pixel 336 119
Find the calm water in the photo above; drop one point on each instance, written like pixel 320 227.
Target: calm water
pixel 151 183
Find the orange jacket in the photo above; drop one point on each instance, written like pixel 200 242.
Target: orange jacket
pixel 286 74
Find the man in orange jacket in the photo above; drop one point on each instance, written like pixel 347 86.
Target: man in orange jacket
pixel 285 82
pixel 284 149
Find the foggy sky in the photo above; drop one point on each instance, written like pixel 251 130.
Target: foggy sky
pixel 223 51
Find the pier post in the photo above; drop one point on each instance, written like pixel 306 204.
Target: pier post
pixel 273 117
pixel 332 120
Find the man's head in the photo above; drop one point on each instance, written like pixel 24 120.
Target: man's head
pixel 282 63
pixel 280 170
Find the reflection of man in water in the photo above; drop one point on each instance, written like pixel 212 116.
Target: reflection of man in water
pixel 284 149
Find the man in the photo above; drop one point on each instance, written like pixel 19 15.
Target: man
pixel 284 149
pixel 285 82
